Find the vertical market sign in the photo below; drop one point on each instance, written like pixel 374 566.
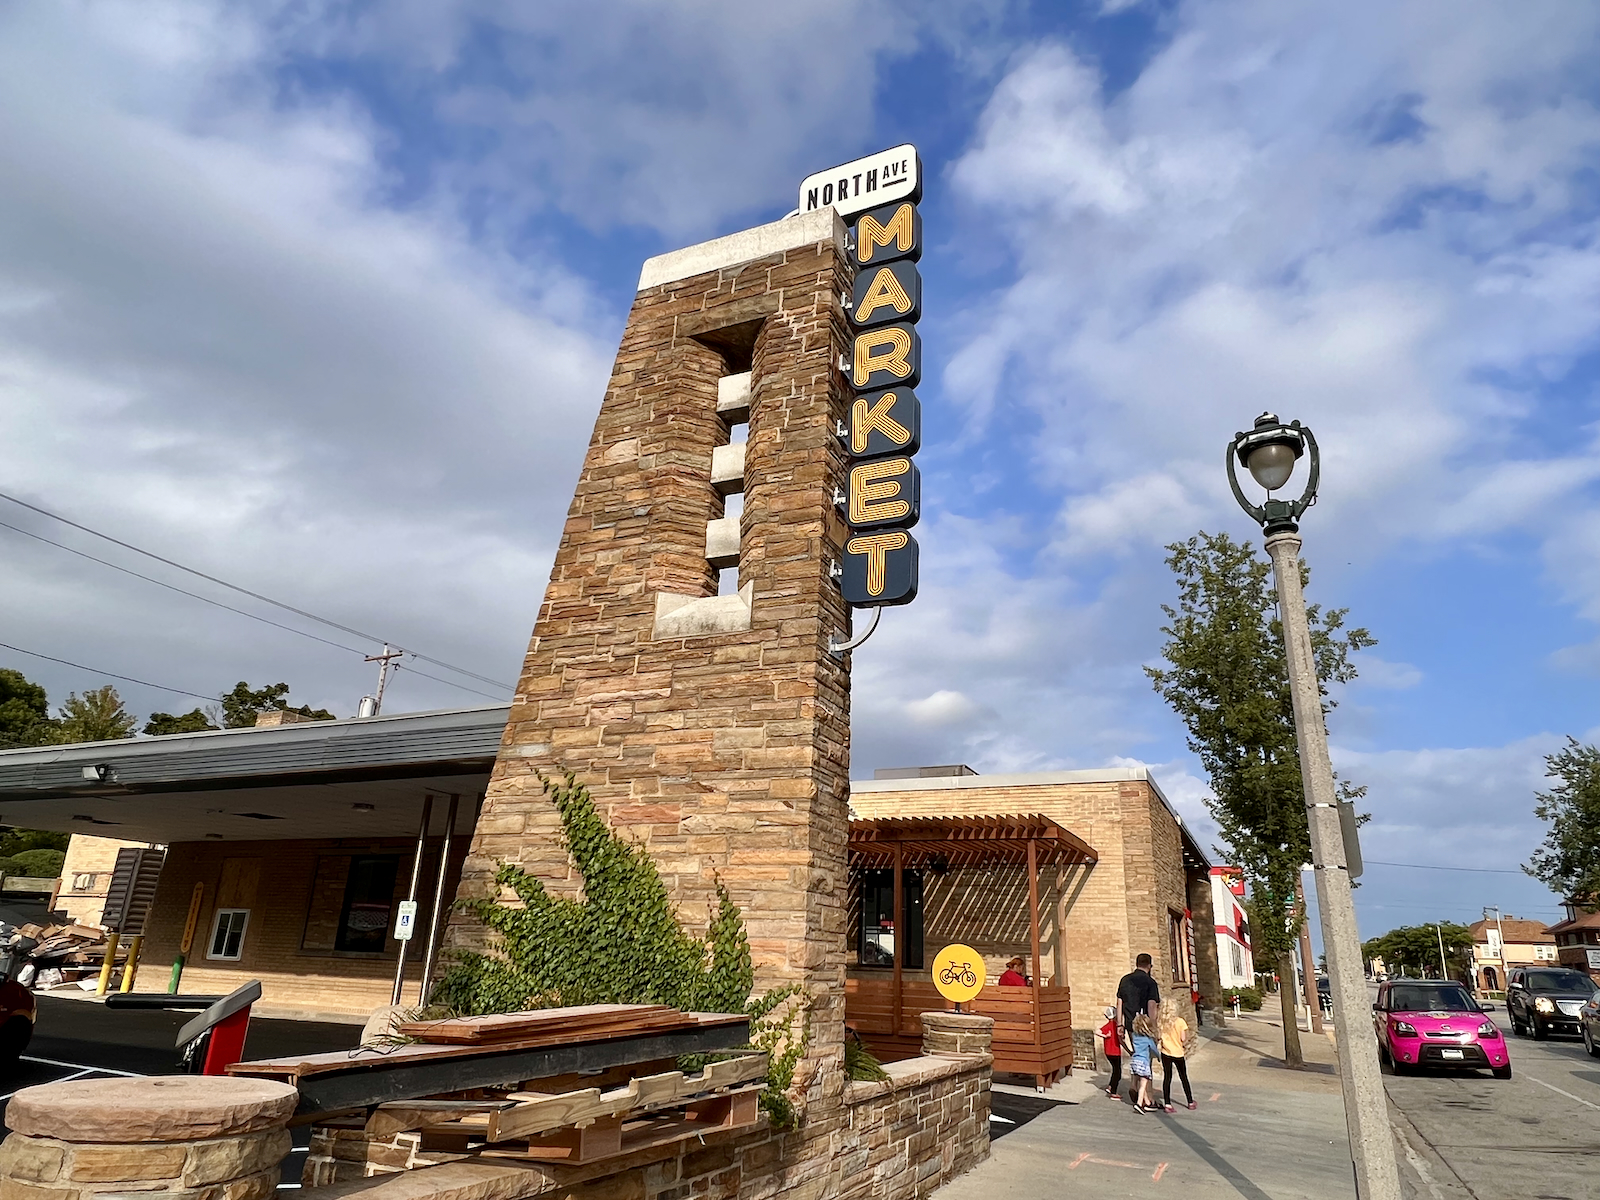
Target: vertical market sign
pixel 883 496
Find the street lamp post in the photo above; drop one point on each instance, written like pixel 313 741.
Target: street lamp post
pixel 1269 452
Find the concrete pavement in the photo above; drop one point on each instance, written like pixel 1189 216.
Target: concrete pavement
pixel 1260 1132
pixel 1465 1134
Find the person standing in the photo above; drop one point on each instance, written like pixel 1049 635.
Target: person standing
pixel 1175 1040
pixel 1111 1044
pixel 1138 996
pixel 1013 975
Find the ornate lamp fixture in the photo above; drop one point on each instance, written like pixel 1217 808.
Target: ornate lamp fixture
pixel 1269 452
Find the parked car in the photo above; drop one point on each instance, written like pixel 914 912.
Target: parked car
pixel 1546 1000
pixel 1325 994
pixel 1435 1023
pixel 1589 1024
pixel 17 1013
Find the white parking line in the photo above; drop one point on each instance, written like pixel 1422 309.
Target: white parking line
pixel 1558 1091
pixel 63 1079
pixel 51 1062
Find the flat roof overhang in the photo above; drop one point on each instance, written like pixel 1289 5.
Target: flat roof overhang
pixel 356 778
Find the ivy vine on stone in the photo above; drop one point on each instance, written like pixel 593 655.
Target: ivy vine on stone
pixel 622 943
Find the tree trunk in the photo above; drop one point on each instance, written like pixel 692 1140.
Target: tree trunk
pixel 1291 1024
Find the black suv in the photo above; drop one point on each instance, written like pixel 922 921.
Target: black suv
pixel 1546 1000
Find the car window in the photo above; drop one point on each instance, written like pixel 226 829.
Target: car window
pixel 1430 999
pixel 1558 980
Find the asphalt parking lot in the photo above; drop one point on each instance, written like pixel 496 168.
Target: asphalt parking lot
pixel 80 1039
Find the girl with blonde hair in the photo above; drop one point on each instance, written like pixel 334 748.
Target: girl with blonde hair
pixel 1176 1039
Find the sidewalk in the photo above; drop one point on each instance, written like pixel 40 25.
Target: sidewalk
pixel 1261 1132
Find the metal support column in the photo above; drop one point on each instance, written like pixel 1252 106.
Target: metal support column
pixel 1033 931
pixel 438 902
pixel 411 894
pixel 899 935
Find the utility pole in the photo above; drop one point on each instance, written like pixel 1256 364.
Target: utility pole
pixel 1365 1106
pixel 1309 976
pixel 383 661
pixel 1444 966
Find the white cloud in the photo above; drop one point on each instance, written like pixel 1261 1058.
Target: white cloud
pixel 1389 676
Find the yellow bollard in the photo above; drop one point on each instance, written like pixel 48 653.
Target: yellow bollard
pixel 106 967
pixel 130 966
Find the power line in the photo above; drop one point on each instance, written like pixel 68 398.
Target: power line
pixel 1431 867
pixel 97 671
pixel 174 588
pixel 299 612
pixel 449 682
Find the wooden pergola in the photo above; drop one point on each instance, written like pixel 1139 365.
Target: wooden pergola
pixel 1030 840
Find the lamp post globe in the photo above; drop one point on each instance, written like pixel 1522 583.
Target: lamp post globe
pixel 1269 451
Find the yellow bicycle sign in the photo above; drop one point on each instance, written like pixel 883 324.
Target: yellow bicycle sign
pixel 958 972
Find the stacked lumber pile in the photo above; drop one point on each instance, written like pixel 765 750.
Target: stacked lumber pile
pixel 572 1119
pixel 47 956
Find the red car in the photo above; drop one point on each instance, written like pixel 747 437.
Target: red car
pixel 1435 1023
pixel 17 1012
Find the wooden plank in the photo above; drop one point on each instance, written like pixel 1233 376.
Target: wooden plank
pixel 732 1071
pixel 460 1068
pixel 529 1024
pixel 299 1067
pixel 400 1116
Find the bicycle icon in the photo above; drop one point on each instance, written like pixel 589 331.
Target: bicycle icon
pixel 961 973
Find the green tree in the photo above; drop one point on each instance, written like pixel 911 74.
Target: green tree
pixel 1569 862
pixel 194 721
pixel 96 716
pixel 18 841
pixel 241 706
pixel 1228 680
pixel 1416 948
pixel 41 863
pixel 24 711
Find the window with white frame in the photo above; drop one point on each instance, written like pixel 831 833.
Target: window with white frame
pixel 1544 953
pixel 1237 955
pixel 227 934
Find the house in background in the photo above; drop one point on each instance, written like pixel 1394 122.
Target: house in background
pixel 1526 944
pixel 85 876
pixel 1577 939
pixel 1235 963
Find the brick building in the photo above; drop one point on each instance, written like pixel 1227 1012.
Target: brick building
pixel 1577 939
pixel 1525 944
pixel 1149 891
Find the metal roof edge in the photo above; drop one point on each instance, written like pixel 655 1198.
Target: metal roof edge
pixel 1027 779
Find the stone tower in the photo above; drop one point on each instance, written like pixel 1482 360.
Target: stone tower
pixel 714 728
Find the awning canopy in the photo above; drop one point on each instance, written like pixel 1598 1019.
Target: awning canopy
pixel 354 778
pixel 966 841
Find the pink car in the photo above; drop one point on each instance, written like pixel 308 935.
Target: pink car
pixel 1435 1023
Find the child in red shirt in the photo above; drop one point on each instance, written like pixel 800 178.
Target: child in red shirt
pixel 1112 1043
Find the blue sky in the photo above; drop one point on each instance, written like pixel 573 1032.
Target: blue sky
pixel 321 297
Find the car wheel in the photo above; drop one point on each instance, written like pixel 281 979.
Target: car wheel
pixel 1502 1072
pixel 1401 1067
pixel 1383 1055
pixel 14 1037
pixel 1588 1043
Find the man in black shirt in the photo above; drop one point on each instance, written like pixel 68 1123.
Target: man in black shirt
pixel 1138 995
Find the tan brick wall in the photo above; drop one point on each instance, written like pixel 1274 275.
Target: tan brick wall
pixel 288 941
pixel 92 856
pixel 727 755
pixel 1121 909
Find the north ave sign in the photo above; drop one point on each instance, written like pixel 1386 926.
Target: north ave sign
pixel 865 183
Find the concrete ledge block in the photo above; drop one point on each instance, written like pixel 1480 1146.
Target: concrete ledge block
pixel 702 616
pixel 722 542
pixel 746 246
pixel 727 468
pixel 733 397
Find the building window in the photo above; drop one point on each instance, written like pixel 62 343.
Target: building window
pixel 1544 953
pixel 1236 955
pixel 227 933
pixel 878 934
pixel 368 903
pixel 1178 945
